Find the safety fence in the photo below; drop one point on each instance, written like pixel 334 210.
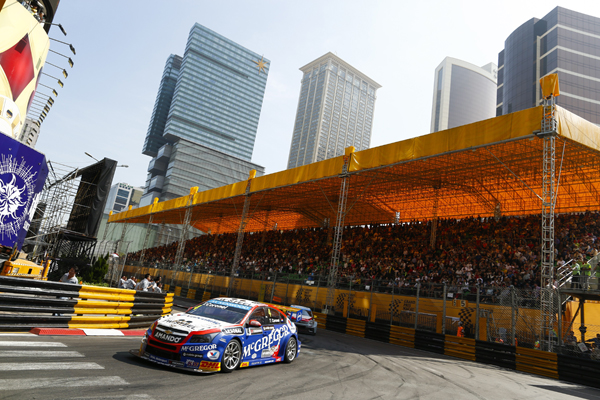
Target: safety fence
pixel 27 303
pixel 552 365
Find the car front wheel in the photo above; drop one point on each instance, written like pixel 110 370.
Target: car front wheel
pixel 291 350
pixel 231 356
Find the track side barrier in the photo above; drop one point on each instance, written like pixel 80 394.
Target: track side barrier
pixel 402 336
pixel 578 370
pixel 355 327
pixel 537 362
pixel 29 303
pixel 460 347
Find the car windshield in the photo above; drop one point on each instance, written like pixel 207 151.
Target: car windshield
pixel 222 311
pixel 307 313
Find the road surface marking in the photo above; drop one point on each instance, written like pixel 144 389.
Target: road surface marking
pixel 49 366
pixel 31 344
pixel 28 383
pixel 34 353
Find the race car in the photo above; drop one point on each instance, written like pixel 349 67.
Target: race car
pixel 304 319
pixel 221 334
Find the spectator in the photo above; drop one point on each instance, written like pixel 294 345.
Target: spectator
pixel 144 284
pixel 123 282
pixel 68 277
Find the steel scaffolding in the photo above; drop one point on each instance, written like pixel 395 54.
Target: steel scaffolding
pixel 548 307
pixel 337 238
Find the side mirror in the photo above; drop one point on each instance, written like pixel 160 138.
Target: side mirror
pixel 255 323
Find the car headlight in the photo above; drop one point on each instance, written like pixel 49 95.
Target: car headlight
pixel 203 338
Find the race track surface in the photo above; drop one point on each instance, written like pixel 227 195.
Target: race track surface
pixel 330 366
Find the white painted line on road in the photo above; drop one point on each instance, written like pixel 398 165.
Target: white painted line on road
pixel 121 397
pixel 102 332
pixel 31 344
pixel 36 383
pixel 17 334
pixel 34 353
pixel 48 366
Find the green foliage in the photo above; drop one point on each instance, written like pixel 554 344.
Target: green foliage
pixel 96 273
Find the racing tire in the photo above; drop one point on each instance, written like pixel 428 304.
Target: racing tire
pixel 232 356
pixel 291 350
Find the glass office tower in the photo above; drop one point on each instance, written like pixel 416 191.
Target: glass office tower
pixel 335 110
pixel 463 93
pixel 204 123
pixel 563 42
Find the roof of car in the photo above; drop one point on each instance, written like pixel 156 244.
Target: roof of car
pixel 301 307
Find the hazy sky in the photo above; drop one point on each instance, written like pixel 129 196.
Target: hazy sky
pixel 105 107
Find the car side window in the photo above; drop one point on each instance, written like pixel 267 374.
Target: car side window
pixel 259 315
pixel 275 316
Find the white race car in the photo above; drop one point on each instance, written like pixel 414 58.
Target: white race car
pixel 221 335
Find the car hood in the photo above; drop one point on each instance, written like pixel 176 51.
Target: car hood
pixel 190 323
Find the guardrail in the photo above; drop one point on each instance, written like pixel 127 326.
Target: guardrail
pixel 551 365
pixel 27 304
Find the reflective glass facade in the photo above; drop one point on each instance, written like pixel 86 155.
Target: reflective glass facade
pixel 335 111
pixel 463 93
pixel 219 94
pixel 563 42
pixel 154 136
pixel 205 119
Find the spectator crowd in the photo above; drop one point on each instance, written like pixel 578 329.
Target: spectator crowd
pixel 492 252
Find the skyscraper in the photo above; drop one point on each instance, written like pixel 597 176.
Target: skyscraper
pixel 335 110
pixel 563 42
pixel 463 93
pixel 205 117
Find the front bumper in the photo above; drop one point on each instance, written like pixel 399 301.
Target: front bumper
pixel 203 367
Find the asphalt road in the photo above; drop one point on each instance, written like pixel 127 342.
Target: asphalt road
pixel 330 366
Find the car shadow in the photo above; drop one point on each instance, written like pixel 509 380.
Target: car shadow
pixel 130 359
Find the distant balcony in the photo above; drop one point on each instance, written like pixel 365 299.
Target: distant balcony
pixel 164 153
pixel 156 184
pixel 158 167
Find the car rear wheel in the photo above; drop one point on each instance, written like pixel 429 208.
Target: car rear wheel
pixel 291 350
pixel 231 356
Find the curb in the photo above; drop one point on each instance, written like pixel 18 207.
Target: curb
pixel 86 332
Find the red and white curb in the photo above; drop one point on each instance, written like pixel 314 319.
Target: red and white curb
pixel 87 332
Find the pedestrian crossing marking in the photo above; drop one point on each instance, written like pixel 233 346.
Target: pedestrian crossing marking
pixel 38 353
pixel 31 344
pixel 50 366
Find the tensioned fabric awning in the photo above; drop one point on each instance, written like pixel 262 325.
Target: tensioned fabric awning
pixel 488 167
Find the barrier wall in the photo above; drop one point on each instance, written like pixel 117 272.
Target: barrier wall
pixel 384 308
pixel 28 303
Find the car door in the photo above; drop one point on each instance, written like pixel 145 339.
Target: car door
pixel 254 335
pixel 273 333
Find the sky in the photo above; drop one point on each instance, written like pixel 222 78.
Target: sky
pixel 105 106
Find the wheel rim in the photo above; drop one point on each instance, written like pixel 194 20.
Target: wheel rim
pixel 231 356
pixel 291 349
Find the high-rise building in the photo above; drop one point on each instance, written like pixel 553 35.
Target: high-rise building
pixel 335 110
pixel 121 196
pixel 30 132
pixel 463 93
pixel 205 118
pixel 563 42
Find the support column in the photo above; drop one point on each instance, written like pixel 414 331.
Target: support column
pixel 338 231
pixel 434 220
pixel 547 301
pixel 184 231
pixel 240 239
pixel 148 229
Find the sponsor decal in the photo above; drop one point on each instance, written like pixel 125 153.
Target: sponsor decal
pixel 244 364
pixel 277 359
pixel 192 364
pixel 166 337
pixel 253 356
pixel 233 331
pixel 157 359
pixel 268 328
pixel 210 366
pixel 223 340
pixel 273 339
pixel 254 331
pixel 199 348
pixel 231 303
pixel 176 363
pixel 213 355
pixel 266 353
pixel 193 355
